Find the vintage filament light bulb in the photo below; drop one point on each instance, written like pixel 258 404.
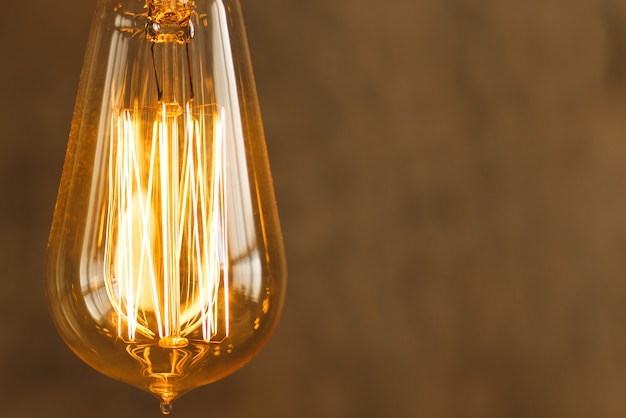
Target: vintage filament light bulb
pixel 166 266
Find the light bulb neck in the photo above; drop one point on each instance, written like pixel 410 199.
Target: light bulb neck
pixel 170 21
pixel 170 29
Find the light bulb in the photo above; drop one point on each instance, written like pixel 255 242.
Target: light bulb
pixel 166 267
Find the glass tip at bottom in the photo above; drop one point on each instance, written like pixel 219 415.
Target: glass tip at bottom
pixel 166 408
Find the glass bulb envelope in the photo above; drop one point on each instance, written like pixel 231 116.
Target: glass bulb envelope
pixel 166 267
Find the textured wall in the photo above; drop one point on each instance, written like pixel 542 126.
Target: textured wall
pixel 450 178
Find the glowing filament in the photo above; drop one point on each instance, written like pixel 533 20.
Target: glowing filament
pixel 165 252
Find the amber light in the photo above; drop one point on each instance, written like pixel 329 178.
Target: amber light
pixel 166 267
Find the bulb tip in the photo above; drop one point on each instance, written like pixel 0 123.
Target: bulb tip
pixel 166 408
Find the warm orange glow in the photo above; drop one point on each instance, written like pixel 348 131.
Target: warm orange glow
pixel 166 266
pixel 167 212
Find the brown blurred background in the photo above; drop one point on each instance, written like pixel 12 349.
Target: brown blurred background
pixel 450 176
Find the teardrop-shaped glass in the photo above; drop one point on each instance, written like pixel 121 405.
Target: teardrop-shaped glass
pixel 166 266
